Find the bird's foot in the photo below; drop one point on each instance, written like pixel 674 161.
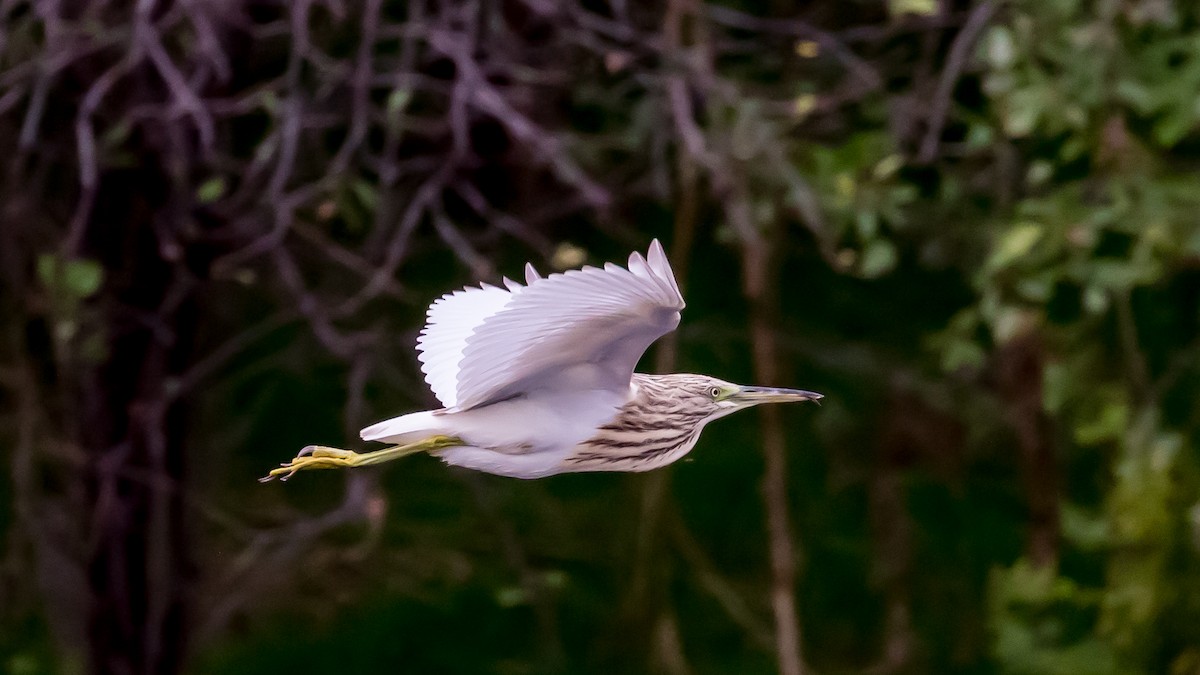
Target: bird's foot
pixel 324 457
pixel 315 457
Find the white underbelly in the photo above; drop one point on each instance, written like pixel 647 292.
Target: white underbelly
pixel 539 422
pixel 528 437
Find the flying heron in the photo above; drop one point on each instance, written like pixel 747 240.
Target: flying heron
pixel 538 380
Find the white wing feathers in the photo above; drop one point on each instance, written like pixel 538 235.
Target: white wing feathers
pixel 582 329
pixel 451 320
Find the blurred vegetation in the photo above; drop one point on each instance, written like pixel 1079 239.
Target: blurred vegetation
pixel 979 229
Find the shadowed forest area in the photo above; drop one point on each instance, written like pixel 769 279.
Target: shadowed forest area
pixel 973 225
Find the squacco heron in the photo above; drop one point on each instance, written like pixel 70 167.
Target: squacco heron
pixel 537 379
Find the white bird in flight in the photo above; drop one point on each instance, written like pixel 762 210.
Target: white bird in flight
pixel 537 379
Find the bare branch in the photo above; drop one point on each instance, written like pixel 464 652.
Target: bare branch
pixel 956 61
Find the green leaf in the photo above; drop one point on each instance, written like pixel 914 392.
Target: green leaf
pixel 1024 109
pixel 917 7
pixel 397 101
pixel 397 104
pixel 878 259
pixel 1036 288
pixel 1095 300
pixel 1017 241
pixel 1174 126
pixel 211 190
pixel 963 355
pixel 366 194
pixel 866 222
pixel 888 166
pixel 78 279
pixel 1040 171
pixel 83 277
pixel 1109 425
pixel 1119 274
pixel 1089 531
pixel 511 596
pixel 999 49
pixel 979 136
pixel 804 104
pixel 1010 322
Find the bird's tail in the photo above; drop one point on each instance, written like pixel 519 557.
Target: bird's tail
pixel 405 429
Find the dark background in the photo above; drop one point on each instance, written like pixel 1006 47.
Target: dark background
pixel 972 225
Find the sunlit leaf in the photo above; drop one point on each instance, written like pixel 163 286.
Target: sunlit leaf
pixel 79 278
pixel 1108 425
pixel 803 105
pixel 917 7
pixel 888 166
pixel 1022 112
pixel 963 354
pixel 1014 243
pixel 1089 531
pixel 878 259
pixel 998 47
pixel 211 190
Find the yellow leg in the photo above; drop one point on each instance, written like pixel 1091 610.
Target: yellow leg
pixel 322 457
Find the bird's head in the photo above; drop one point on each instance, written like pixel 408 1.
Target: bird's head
pixel 717 398
pixel 728 397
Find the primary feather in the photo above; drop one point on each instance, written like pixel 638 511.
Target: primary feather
pixel 452 319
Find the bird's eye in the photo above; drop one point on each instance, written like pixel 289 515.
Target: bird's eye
pixel 716 392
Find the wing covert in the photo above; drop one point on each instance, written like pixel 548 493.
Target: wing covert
pixel 578 329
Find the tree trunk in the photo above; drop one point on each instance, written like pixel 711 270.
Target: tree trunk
pixel 132 433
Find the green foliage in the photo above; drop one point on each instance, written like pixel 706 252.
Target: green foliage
pixel 68 284
pixel 69 280
pixel 1078 255
pixel 1035 620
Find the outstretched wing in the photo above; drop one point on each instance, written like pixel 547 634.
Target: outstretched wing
pixel 452 319
pixel 583 329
